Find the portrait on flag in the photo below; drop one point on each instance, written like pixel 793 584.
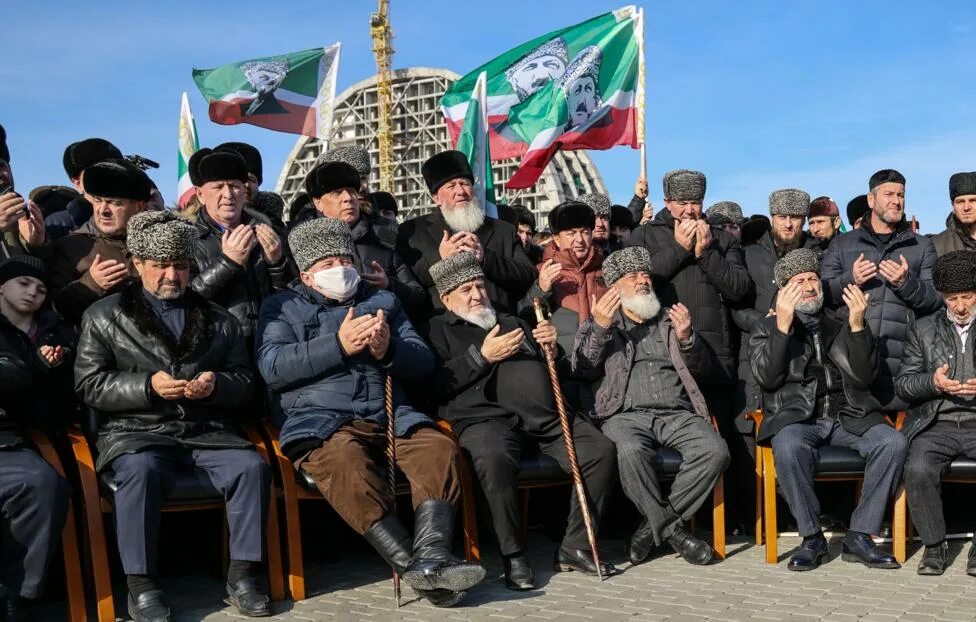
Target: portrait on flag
pixel 265 77
pixel 542 65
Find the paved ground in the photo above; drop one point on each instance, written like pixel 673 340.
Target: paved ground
pixel 741 588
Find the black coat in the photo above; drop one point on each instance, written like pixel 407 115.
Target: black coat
pixel 403 283
pixel 780 364
pixel 931 343
pixel 508 271
pixel 123 343
pixel 239 289
pixel 707 285
pixel 14 374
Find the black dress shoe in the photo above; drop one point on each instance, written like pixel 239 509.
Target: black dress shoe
pixel 518 573
pixel 971 563
pixel 641 544
pixel 580 560
pixel 860 548
pixel 693 550
pixel 812 553
pixel 149 607
pixel 934 559
pixel 248 598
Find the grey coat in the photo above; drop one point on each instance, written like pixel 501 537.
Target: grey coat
pixel 606 357
pixel 954 238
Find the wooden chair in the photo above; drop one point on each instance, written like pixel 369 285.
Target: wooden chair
pixel 833 464
pixel 192 491
pixel 69 536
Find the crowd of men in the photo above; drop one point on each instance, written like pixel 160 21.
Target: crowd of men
pixel 168 328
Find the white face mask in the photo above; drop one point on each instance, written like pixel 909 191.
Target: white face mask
pixel 338 282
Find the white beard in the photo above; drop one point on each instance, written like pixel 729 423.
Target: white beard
pixel 484 319
pixel 468 218
pixel 644 306
pixel 812 307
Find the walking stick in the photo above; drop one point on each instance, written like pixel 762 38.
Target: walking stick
pixel 557 393
pixel 391 467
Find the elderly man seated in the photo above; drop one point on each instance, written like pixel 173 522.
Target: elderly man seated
pixel 494 389
pixel 644 361
pixel 325 347
pixel 167 369
pixel 938 378
pixel 815 369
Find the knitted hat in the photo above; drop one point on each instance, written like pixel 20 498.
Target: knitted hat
pixel 82 154
pixel 23 265
pixel 160 236
pixel 117 179
pixel 330 176
pixel 962 183
pixel 443 167
pixel 599 203
pixel 625 261
pixel 212 165
pixel 823 206
pixel 318 239
pixel 885 176
pixel 724 213
pixel 4 150
pixel 684 185
pixel 857 208
pixel 453 272
pixel 955 272
pixel 251 155
pixel 789 202
pixel 793 263
pixel 571 215
pixel 620 216
pixel 356 157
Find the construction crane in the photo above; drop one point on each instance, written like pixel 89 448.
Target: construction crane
pixel 382 34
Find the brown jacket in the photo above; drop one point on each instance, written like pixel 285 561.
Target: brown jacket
pixel 72 256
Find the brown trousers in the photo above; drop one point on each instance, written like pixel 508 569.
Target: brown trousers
pixel 350 470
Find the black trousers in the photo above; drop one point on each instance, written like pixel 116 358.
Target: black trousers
pixel 740 484
pixel 33 509
pixel 929 456
pixel 495 450
pixel 145 479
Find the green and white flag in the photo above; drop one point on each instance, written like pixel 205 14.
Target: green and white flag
pixel 473 142
pixel 293 93
pixel 579 87
pixel 188 144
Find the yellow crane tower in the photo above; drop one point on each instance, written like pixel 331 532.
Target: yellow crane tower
pixel 382 34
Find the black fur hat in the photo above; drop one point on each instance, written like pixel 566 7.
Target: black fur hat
pixel 213 165
pixel 251 155
pixel 571 215
pixel 445 166
pixel 117 179
pixel 955 272
pixel 330 176
pixel 82 154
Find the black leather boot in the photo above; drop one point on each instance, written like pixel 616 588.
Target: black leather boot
pixel 518 573
pixel 859 547
pixel 641 543
pixel 812 553
pixel 433 566
pixel 392 541
pixel 933 562
pixel 693 550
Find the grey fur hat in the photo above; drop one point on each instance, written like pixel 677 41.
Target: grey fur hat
pixel 724 213
pixel 795 262
pixel 684 185
pixel 160 236
pixel 319 238
pixel 453 272
pixel 789 202
pixel 625 261
pixel 599 203
pixel 357 157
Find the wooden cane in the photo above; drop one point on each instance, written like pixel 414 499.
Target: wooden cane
pixel 391 467
pixel 557 393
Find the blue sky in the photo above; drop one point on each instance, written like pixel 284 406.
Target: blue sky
pixel 759 95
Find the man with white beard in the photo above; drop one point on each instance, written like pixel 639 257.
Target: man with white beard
pixel 459 224
pixel 643 362
pixel 492 386
pixel 815 368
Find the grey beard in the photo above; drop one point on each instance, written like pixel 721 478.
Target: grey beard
pixel 468 218
pixel 644 306
pixel 484 319
pixel 812 307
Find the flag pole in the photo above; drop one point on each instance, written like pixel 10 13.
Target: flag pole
pixel 641 94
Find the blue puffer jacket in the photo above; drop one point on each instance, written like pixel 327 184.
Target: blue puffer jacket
pixel 317 387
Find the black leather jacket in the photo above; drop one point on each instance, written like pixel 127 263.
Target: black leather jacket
pixel 123 343
pixel 780 364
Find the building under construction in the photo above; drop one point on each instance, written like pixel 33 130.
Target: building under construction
pixel 418 132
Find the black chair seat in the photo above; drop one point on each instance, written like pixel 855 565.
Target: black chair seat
pixel 962 467
pixel 192 486
pixel 838 461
